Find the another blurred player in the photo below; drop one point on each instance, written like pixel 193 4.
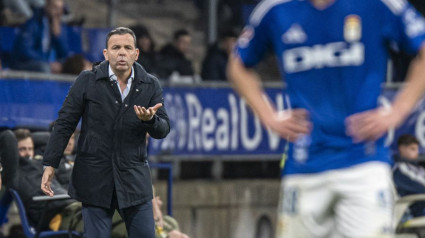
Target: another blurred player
pixel 333 56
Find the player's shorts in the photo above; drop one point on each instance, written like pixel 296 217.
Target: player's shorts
pixel 355 202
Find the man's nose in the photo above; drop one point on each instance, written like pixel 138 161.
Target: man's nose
pixel 121 51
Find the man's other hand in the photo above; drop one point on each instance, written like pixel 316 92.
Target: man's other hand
pixel 48 174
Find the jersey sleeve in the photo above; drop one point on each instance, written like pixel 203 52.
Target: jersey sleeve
pixel 254 40
pixel 403 26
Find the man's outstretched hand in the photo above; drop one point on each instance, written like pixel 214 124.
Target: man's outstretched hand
pixel 146 114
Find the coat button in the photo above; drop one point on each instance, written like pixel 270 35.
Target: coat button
pixel 116 102
pixel 137 90
pixel 126 105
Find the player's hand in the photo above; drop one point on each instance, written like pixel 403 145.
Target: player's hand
pixel 371 125
pixel 48 174
pixel 146 114
pixel 289 124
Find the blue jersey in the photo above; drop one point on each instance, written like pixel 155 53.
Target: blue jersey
pixel 333 62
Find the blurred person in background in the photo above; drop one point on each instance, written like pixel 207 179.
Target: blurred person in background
pixel 26 150
pixel 25 143
pixel 333 56
pixel 148 57
pixel 64 171
pixel 173 56
pixel 215 63
pixel 28 175
pixel 41 43
pixel 166 226
pixel 408 174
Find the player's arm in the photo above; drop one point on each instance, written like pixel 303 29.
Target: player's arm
pixel 371 125
pixel 414 88
pixel 288 124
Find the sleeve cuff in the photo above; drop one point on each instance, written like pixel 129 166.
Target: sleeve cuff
pixel 151 121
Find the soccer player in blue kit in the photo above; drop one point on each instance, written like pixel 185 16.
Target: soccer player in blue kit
pixel 333 57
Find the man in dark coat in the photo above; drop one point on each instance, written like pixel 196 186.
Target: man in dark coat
pixel 118 103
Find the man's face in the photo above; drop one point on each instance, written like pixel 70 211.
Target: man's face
pixel 183 43
pixel 26 148
pixel 410 152
pixel 121 53
pixel 54 8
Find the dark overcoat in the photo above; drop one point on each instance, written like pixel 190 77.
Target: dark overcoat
pixel 111 151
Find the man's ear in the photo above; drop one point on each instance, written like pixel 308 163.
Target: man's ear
pixel 137 54
pixel 105 54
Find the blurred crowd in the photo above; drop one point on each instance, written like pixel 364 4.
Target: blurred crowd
pixel 42 44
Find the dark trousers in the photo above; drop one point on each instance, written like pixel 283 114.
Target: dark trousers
pixel 138 221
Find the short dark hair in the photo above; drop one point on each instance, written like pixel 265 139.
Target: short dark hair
pixel 22 134
pixel 121 31
pixel 179 33
pixel 407 139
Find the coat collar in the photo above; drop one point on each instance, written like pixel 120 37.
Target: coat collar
pixel 140 74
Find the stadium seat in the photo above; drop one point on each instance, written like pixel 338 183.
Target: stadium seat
pixel 414 225
pixel 40 139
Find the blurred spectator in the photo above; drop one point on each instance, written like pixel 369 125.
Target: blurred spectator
pixel 41 44
pixel 215 62
pixel 29 173
pixel 76 64
pixel 166 226
pixel 148 56
pixel 409 176
pixel 26 150
pixel 24 8
pixel 173 56
pixel 25 143
pixel 64 171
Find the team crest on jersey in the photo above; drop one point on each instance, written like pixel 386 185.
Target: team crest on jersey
pixel 294 35
pixel 246 36
pixel 352 28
